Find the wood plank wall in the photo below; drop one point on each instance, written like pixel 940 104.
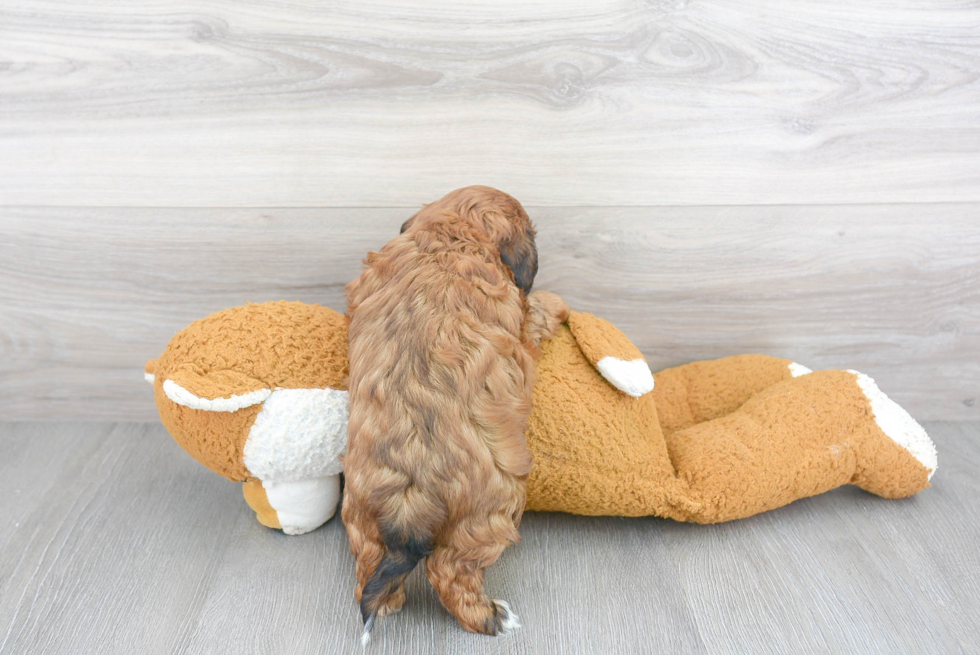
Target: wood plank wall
pixel 799 178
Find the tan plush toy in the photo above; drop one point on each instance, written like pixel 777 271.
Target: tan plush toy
pixel 714 440
pixel 257 394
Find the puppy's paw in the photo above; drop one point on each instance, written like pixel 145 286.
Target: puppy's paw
pixel 394 603
pixel 546 313
pixel 505 620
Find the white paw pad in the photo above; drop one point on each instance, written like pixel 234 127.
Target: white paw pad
pixel 508 620
pixel 895 422
pixel 798 369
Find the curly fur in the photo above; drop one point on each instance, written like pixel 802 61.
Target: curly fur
pixel 441 370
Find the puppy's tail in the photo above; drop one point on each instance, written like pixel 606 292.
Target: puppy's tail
pixel 402 555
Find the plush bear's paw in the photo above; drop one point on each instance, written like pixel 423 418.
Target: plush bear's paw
pixel 898 425
pixel 798 369
pixel 304 505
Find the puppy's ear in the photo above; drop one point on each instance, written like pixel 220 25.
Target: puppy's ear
pixel 407 224
pixel 520 255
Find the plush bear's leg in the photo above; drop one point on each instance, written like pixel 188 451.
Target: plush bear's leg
pixel 690 394
pixel 797 438
pixel 257 499
pixel 883 468
pixel 294 507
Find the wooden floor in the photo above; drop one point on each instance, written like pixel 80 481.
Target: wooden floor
pixel 117 542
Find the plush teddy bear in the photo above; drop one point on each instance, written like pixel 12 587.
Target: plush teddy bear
pixel 258 394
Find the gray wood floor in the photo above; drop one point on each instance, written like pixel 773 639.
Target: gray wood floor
pixel 117 542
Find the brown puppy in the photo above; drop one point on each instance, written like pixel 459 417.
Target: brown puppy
pixel 441 370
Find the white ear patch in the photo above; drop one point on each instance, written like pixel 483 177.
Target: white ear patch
pixel 895 422
pixel 149 377
pixel 182 396
pixel 299 434
pixel 632 377
pixel 796 370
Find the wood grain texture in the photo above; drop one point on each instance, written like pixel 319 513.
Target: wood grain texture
pixel 93 567
pixel 121 544
pixel 382 103
pixel 88 295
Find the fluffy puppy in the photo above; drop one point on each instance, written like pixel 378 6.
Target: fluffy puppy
pixel 441 370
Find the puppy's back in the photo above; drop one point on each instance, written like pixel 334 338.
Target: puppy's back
pixel 440 390
pixel 438 372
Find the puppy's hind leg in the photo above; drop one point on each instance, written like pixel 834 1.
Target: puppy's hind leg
pixel 369 550
pixel 365 544
pixel 457 575
pixel 381 579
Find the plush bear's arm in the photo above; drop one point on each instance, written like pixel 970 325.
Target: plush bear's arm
pixel 612 353
pixel 546 313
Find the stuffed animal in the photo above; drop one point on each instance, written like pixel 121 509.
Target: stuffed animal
pixel 257 394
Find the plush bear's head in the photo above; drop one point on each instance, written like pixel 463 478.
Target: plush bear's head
pixel 259 393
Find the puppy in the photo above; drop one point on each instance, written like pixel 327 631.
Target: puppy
pixel 441 370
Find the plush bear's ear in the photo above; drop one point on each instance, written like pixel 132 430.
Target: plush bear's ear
pixel 213 391
pixel 150 371
pixel 612 353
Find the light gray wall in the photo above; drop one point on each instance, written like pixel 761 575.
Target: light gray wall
pixel 800 178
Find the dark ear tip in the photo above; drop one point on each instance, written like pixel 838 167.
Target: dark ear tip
pixel 522 259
